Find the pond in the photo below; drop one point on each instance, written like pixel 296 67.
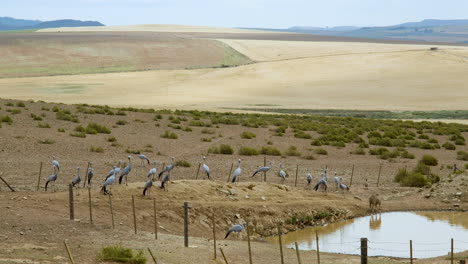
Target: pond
pixel 388 234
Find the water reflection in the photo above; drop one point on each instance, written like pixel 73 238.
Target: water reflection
pixel 430 231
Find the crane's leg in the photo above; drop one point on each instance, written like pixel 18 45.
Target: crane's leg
pixel 126 180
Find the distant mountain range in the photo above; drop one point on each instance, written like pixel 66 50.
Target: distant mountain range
pixel 452 31
pixel 9 23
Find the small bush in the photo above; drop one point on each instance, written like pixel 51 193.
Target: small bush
pixel 247 135
pixel 222 149
pixel 270 151
pixel 133 151
pixel 121 122
pixel 78 134
pixel 205 139
pixel 183 163
pixel 96 149
pixel 94 127
pixel 6 119
pixel 111 139
pixel 169 135
pixel 321 151
pixel 302 134
pixel 449 146
pixel 415 179
pixel 316 142
pixel 309 157
pixel 47 141
pixel 121 254
pixel 61 130
pixel 429 160
pixel 187 129
pixel 460 142
pixel 462 155
pixel 292 151
pixel 9 104
pixel 157 117
pixel 407 155
pixel 208 131
pixel 43 125
pixel 359 151
pixel 466 166
pixel 36 117
pixel 248 151
pixel 14 111
pixel 65 115
pixel 20 104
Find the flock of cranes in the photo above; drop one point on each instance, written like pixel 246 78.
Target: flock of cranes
pixel 165 175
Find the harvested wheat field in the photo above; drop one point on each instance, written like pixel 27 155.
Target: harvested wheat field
pixel 34 223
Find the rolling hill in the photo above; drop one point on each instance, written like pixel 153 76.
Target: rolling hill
pixel 9 23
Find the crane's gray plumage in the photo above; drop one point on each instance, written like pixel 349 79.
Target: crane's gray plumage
pixel 168 168
pixel 322 183
pixel 52 178
pixel 125 172
pixel 309 178
pixel 90 173
pixel 282 173
pixel 263 169
pixel 165 180
pixel 205 168
pixel 148 186
pixel 337 181
pixel 55 163
pixel 143 157
pixel 344 187
pixel 237 172
pixel 152 172
pixel 77 179
pixel 108 182
pixel 115 169
pixel 235 228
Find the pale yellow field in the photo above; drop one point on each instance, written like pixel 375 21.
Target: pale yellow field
pixel 155 28
pixel 314 75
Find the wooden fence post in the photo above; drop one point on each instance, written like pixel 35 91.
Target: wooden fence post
pixel 224 256
pixel 198 170
pixel 186 206
pixel 248 242
pixel 155 220
pixel 230 171
pixel 352 174
pixel 411 251
pixel 71 202
pixel 378 177
pixel 214 233
pixel 297 171
pixel 363 250
pixel 297 253
pixel 134 214
pixel 280 244
pixel 70 256
pixel 90 207
pixel 111 211
pixel 39 177
pixel 318 248
pixel 86 176
pixel 152 256
pixel 8 185
pixel 451 251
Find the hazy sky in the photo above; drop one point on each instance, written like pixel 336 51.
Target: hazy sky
pixel 239 13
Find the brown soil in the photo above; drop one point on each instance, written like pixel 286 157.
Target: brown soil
pixel 34 224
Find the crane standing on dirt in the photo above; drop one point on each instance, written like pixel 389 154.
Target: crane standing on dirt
pixel 168 168
pixel 235 228
pixel 205 168
pixel 143 157
pixel 148 186
pixel 126 171
pixel 322 183
pixel 309 179
pixel 282 173
pixel 55 163
pixel 108 182
pixel 152 172
pixel 237 172
pixel 76 181
pixel 337 180
pixel 90 173
pixel 52 178
pixel 165 181
pixel 263 169
pixel 115 169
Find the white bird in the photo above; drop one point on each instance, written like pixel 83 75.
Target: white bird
pixel 237 172
pixel 168 168
pixel 148 186
pixel 108 182
pixel 263 169
pixel 152 172
pixel 235 228
pixel 143 157
pixel 90 173
pixel 126 171
pixel 282 173
pixel 55 163
pixel 205 168
pixel 52 178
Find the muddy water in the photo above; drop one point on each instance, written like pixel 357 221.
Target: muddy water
pixel 388 234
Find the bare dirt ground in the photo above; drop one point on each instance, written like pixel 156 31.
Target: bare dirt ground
pixel 34 224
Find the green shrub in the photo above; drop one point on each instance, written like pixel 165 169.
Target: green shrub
pixel 78 134
pixel 94 128
pixel 61 130
pixel 302 134
pixel 309 157
pixel 338 144
pixel 6 119
pixel 401 174
pixel 462 155
pixel 187 129
pixel 429 160
pixel 432 140
pixel 358 151
pixel 111 139
pixel 466 166
pixel 47 141
pixel 407 155
pixel 157 117
pixel 121 122
pixel 14 111
pixel 292 151
pixel 247 135
pixel 222 149
pixel 378 151
pixel 415 179
pixel 96 149
pixel 248 151
pixel 316 142
pixel 207 131
pixel 270 151
pixel 169 135
pixel 36 117
pixel 121 254
pixel 20 104
pixel 65 115
pixel 183 163
pixel 133 151
pixel 422 168
pixel 199 124
pixel 9 104
pixel 320 151
pixel 43 125
pixel 460 142
pixel 449 146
